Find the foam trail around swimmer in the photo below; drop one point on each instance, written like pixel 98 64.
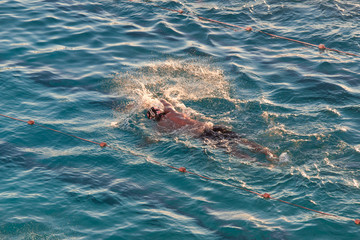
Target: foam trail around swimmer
pixel 175 80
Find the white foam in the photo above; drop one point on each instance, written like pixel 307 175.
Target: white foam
pixel 357 148
pixel 174 80
pixel 284 158
pixel 114 124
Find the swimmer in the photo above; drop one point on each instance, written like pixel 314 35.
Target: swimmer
pixel 169 120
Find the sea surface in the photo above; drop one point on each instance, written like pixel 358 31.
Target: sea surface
pixel 92 68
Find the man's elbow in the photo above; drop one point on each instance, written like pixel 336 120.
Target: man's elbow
pixel 164 102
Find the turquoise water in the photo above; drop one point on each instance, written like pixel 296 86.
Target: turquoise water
pixel 91 68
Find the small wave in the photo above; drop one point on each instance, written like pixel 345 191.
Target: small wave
pixel 333 110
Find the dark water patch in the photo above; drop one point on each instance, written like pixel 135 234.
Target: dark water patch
pixel 98 198
pixel 350 80
pixel 109 102
pixel 284 59
pixel 226 42
pixel 87 178
pixel 314 91
pixel 48 79
pixel 12 6
pixel 75 39
pixel 196 52
pixel 350 164
pixel 140 34
pixel 327 68
pixel 280 12
pixel 218 105
pixel 34 24
pixel 331 94
pixel 80 8
pixel 246 82
pixel 162 28
pixel 285 95
pixel 55 79
pixel 12 157
pixel 352 111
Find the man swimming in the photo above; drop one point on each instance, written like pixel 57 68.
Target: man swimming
pixel 169 120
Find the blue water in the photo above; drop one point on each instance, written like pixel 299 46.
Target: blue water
pixel 91 68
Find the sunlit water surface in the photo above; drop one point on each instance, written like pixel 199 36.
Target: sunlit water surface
pixel 92 68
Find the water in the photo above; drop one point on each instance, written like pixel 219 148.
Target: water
pixel 91 68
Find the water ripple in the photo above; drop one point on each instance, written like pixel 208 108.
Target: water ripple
pixel 78 66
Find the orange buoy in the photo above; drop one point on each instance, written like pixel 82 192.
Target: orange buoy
pixel 103 144
pixel 249 29
pixel 31 122
pixel 266 195
pixel 322 47
pixel 182 169
pixel 357 221
pixel 181 11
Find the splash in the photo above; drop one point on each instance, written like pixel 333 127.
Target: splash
pixel 174 80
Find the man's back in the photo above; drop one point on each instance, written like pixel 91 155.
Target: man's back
pixel 174 120
pixel 171 120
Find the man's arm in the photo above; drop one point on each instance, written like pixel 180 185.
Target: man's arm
pixel 167 106
pixel 261 149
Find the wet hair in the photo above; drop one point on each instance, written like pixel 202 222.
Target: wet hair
pixel 152 113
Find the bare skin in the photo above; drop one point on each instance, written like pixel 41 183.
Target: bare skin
pixel 174 120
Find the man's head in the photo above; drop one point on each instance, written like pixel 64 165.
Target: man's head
pixel 154 113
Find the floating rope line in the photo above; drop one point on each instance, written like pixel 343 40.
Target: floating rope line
pixel 182 169
pixel 32 122
pixel 321 47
